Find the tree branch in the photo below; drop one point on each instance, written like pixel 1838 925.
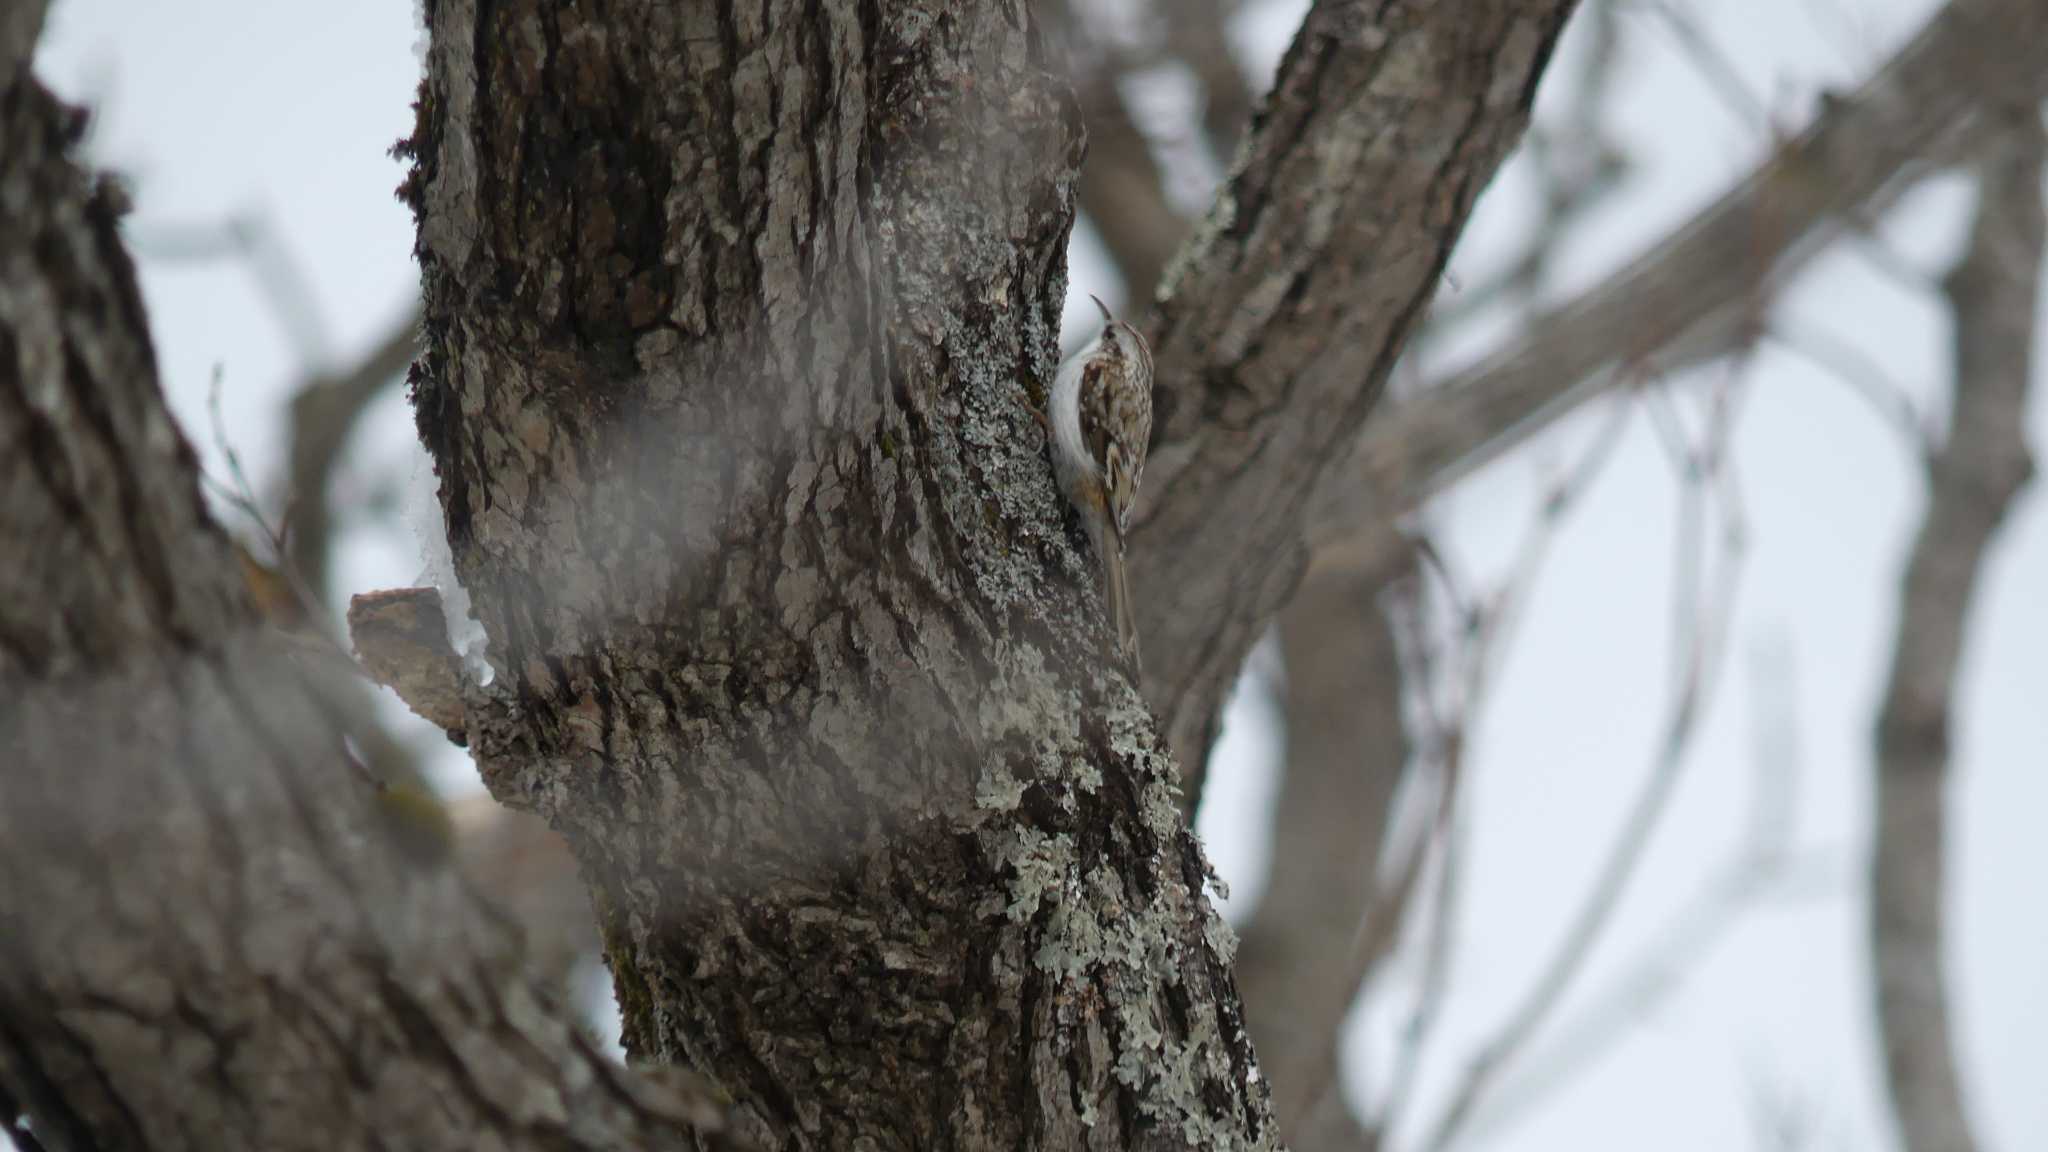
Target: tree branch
pixel 1701 623
pixel 1123 189
pixel 217 937
pixel 1972 482
pixel 1277 328
pixel 1346 749
pixel 1198 35
pixel 1695 296
pixel 324 412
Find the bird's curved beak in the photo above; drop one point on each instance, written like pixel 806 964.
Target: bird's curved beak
pixel 1106 318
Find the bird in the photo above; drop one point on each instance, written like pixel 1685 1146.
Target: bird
pixel 1099 421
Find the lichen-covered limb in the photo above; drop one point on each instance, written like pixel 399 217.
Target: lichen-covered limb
pixel 1276 329
pixel 214 938
pixel 1972 483
pixel 735 315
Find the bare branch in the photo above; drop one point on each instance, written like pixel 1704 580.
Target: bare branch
pixel 252 238
pixel 1423 1014
pixel 1761 868
pixel 1197 33
pixel 1281 320
pixel 1701 625
pixel 216 937
pixel 1346 750
pixel 1887 397
pixel 1382 915
pixel 324 412
pixel 1691 298
pixel 1123 189
pixel 1347 741
pixel 1972 483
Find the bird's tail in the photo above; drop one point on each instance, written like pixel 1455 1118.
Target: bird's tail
pixel 1116 593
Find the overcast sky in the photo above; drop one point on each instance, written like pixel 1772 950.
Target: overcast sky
pixel 230 106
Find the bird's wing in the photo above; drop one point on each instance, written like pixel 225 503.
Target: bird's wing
pixel 1117 422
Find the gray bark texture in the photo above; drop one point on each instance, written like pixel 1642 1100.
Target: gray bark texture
pixel 1276 328
pixel 734 320
pixel 733 317
pixel 212 934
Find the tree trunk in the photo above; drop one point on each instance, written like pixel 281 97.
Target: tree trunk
pixel 211 937
pixel 735 323
pixel 733 319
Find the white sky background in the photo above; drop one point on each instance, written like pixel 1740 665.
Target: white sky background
pixel 229 105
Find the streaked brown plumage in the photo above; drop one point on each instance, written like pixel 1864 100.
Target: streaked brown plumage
pixel 1101 419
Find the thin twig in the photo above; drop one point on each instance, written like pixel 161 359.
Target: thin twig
pixel 1864 376
pixel 252 238
pixel 1486 628
pixel 1762 868
pixel 1429 997
pixel 1713 65
pixel 238 491
pixel 1698 675
pixel 324 412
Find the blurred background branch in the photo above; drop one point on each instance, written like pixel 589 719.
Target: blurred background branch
pixel 1697 295
pixel 514 859
pixel 1972 481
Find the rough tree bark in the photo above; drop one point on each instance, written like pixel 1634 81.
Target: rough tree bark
pixel 1278 324
pixel 211 937
pixel 1345 746
pixel 733 319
